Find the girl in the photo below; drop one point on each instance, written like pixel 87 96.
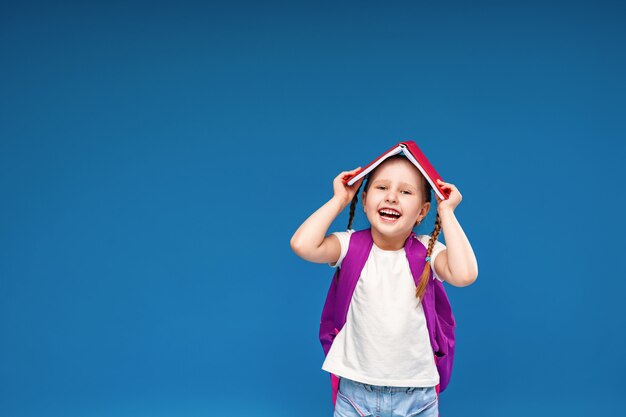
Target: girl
pixel 382 355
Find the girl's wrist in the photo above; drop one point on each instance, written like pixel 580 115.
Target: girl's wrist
pixel 445 212
pixel 340 202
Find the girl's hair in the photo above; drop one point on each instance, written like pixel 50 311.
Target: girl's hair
pixel 426 190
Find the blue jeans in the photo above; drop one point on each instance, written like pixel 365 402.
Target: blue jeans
pixel 355 399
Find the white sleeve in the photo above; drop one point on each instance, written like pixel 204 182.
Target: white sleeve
pixel 344 241
pixel 436 250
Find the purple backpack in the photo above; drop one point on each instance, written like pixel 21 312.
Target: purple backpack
pixel 439 318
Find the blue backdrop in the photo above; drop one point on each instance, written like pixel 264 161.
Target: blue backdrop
pixel 157 157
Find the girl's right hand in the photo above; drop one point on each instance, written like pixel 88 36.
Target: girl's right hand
pixel 344 192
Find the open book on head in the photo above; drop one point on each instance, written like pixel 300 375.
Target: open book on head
pixel 413 154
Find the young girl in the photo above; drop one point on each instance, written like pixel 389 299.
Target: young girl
pixel 382 355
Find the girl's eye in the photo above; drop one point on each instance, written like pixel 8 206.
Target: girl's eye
pixel 384 187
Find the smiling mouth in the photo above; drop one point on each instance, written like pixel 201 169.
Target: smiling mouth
pixel 389 215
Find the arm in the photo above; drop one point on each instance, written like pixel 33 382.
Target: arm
pixel 309 241
pixel 457 263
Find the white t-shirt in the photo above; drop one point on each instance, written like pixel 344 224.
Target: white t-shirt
pixel 385 338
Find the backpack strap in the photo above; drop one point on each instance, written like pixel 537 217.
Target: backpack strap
pixel 342 286
pixel 437 310
pixel 340 294
pixel 358 251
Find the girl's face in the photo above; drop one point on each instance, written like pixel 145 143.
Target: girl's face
pixel 394 201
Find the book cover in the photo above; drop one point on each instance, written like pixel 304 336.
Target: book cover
pixel 413 154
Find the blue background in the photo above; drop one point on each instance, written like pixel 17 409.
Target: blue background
pixel 156 158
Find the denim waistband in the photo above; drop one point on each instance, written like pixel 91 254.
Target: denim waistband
pixel 386 388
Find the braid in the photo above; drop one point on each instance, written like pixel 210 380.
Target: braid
pixel 355 200
pixel 423 281
pixel 421 288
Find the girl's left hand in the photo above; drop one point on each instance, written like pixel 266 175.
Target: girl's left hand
pixel 454 197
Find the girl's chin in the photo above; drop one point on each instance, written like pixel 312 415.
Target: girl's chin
pixel 388 224
pixel 397 226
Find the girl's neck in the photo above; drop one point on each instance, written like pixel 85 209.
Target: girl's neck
pixel 388 242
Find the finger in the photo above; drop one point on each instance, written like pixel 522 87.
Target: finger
pixel 356 184
pixel 346 173
pixel 350 173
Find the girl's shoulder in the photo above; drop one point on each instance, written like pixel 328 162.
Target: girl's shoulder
pixel 344 236
pixel 344 242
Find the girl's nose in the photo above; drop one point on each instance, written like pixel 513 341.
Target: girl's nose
pixel 391 197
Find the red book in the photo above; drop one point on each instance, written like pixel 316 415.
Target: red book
pixel 413 154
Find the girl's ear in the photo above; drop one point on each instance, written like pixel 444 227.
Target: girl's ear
pixel 363 197
pixel 425 209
